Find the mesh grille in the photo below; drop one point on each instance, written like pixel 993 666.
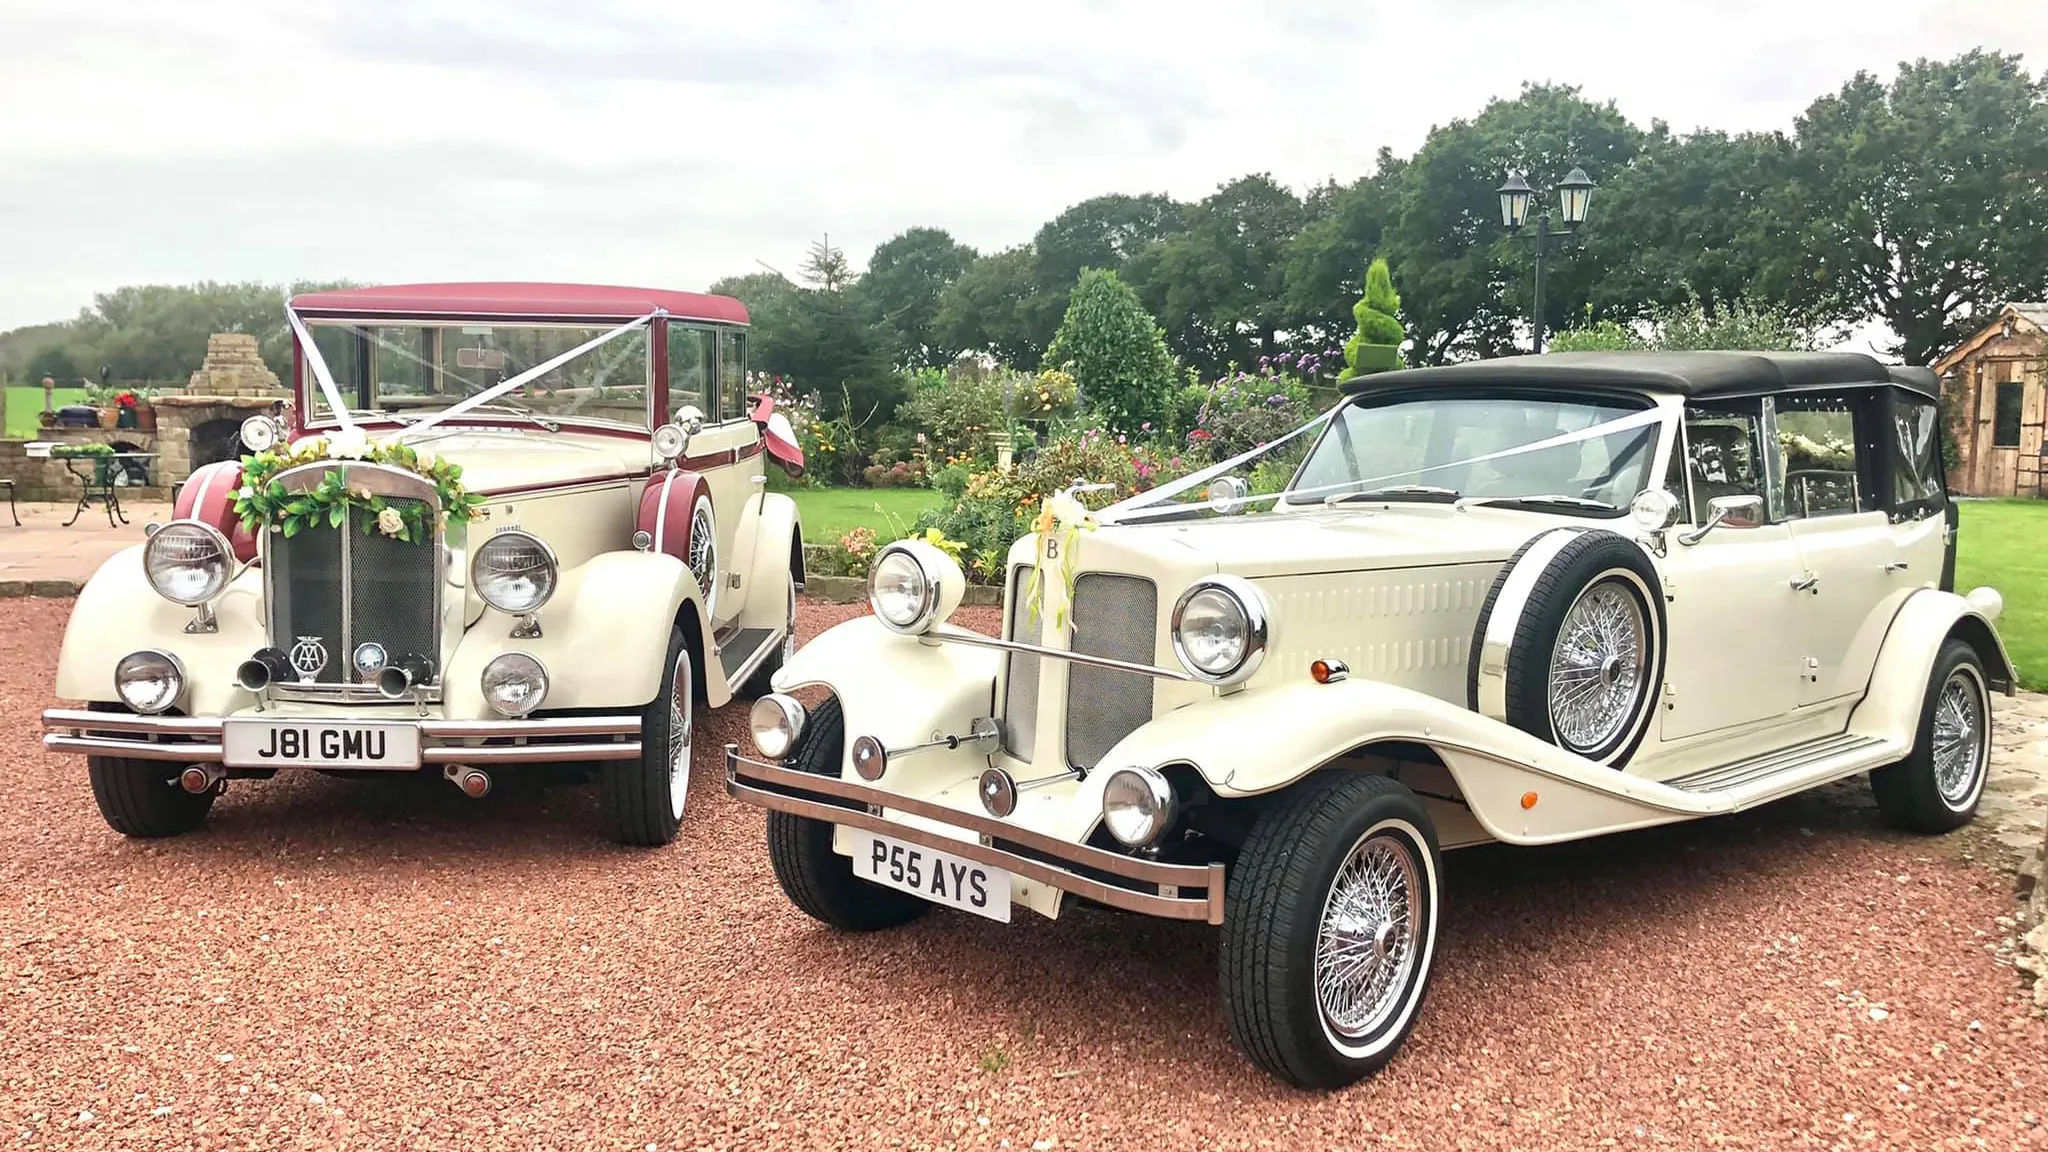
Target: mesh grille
pixel 390 594
pixel 1020 693
pixel 1116 617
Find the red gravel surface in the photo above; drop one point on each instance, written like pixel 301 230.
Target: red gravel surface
pixel 338 964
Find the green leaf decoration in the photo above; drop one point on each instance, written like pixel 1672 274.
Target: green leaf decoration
pixel 262 502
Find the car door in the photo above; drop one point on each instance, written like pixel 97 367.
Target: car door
pixel 1922 516
pixel 1732 612
pixel 1826 485
pixel 729 447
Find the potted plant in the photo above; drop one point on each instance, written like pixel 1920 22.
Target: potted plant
pixel 124 410
pixel 145 409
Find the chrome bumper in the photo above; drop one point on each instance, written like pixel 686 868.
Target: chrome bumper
pixel 197 739
pixel 1170 891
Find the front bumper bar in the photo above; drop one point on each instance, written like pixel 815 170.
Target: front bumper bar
pixel 1170 891
pixel 197 739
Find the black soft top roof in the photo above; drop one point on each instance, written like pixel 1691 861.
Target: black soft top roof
pixel 1683 373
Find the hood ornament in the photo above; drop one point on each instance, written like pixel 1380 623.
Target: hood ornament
pixel 308 657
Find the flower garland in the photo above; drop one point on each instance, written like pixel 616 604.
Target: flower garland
pixel 263 500
pixel 1061 520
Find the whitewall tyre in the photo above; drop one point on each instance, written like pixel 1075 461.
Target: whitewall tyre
pixel 643 799
pixel 819 881
pixel 1329 931
pixel 1937 787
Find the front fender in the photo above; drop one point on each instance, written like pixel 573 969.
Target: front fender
pixel 117 612
pixel 769 535
pixel 604 635
pixel 1898 681
pixel 1263 739
pixel 896 688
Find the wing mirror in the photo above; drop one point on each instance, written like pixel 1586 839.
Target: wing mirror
pixel 691 418
pixel 1228 494
pixel 1728 512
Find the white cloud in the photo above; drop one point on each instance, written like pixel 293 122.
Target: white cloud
pixel 663 143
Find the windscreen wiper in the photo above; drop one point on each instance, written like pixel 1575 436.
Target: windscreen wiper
pixel 1565 501
pixel 1428 492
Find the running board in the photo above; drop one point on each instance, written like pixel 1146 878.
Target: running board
pixel 1763 778
pixel 743 650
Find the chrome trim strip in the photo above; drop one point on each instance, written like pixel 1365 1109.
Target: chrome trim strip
pixel 529 753
pixel 545 726
pixel 976 639
pixel 1508 607
pixel 1209 877
pixel 132 749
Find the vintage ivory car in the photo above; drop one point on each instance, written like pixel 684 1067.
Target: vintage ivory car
pixel 1527 600
pixel 475 542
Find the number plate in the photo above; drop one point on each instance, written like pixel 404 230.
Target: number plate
pixel 939 877
pixel 320 744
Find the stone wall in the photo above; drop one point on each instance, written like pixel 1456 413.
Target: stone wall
pixel 2032 954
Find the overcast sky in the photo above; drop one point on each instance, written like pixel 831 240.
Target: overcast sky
pixel 670 143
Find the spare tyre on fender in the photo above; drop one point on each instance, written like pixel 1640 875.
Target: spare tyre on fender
pixel 1570 643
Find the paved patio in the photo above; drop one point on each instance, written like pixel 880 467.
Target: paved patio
pixel 43 550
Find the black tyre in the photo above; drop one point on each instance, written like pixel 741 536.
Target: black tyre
pixel 643 799
pixel 761 682
pixel 1576 656
pixel 1329 933
pixel 142 798
pixel 1938 786
pixel 815 878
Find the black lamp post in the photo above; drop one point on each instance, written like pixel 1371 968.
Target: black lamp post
pixel 1574 193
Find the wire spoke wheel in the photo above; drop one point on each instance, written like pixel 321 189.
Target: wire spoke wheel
pixel 1960 746
pixel 1599 667
pixel 703 550
pixel 679 717
pixel 1368 941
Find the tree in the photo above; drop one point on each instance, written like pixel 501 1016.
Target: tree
pixel 825 266
pixel 1376 345
pixel 1115 351
pixel 54 361
pixel 997 307
pixel 1103 232
pixel 1466 282
pixel 1740 325
pixel 1927 196
pixel 1345 227
pixel 1220 286
pixel 901 289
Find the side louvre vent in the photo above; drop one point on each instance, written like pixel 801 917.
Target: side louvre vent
pixel 1020 694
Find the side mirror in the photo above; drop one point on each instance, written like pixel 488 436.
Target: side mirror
pixel 691 418
pixel 1728 512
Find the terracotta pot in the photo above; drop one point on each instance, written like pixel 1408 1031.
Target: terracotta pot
pixel 109 417
pixel 145 417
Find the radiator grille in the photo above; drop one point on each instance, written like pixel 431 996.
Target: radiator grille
pixel 1116 617
pixel 1020 692
pixel 343 587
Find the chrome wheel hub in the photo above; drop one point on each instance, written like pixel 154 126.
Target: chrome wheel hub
pixel 679 736
pixel 704 553
pixel 1598 671
pixel 1367 947
pixel 1960 738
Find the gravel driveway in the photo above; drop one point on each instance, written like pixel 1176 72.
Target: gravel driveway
pixel 341 964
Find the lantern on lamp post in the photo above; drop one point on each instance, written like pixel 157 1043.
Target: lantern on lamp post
pixel 1575 195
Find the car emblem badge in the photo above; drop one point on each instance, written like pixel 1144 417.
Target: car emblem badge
pixel 309 657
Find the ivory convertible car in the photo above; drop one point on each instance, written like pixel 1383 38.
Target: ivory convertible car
pixel 500 525
pixel 1526 600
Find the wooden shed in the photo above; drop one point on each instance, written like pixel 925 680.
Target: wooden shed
pixel 1997 386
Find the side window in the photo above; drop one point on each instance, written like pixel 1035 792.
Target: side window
pixel 732 375
pixel 1915 449
pixel 1817 456
pixel 691 365
pixel 1723 454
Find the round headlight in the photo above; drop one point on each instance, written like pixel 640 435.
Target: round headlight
pixel 188 562
pixel 901 592
pixel 777 721
pixel 259 433
pixel 1137 806
pixel 670 441
pixel 1220 629
pixel 515 684
pixel 149 681
pixel 514 572
pixel 1654 510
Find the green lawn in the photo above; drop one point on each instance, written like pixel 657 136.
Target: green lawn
pixel 25 408
pixel 2004 544
pixel 829 513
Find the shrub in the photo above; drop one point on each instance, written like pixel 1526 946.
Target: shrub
pixel 1115 352
pixel 1050 395
pixel 1376 345
pixel 956 411
pixel 1242 411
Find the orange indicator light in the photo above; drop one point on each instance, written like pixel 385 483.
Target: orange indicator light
pixel 1528 800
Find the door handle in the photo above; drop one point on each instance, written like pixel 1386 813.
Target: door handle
pixel 1895 566
pixel 1806 583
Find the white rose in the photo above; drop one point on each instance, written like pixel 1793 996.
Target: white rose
pixel 389 522
pixel 350 444
pixel 248 492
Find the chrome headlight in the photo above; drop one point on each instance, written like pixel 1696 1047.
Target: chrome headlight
pixel 1137 806
pixel 777 721
pixel 261 433
pixel 515 684
pixel 149 681
pixel 188 562
pixel 514 572
pixel 1220 629
pixel 912 586
pixel 670 441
